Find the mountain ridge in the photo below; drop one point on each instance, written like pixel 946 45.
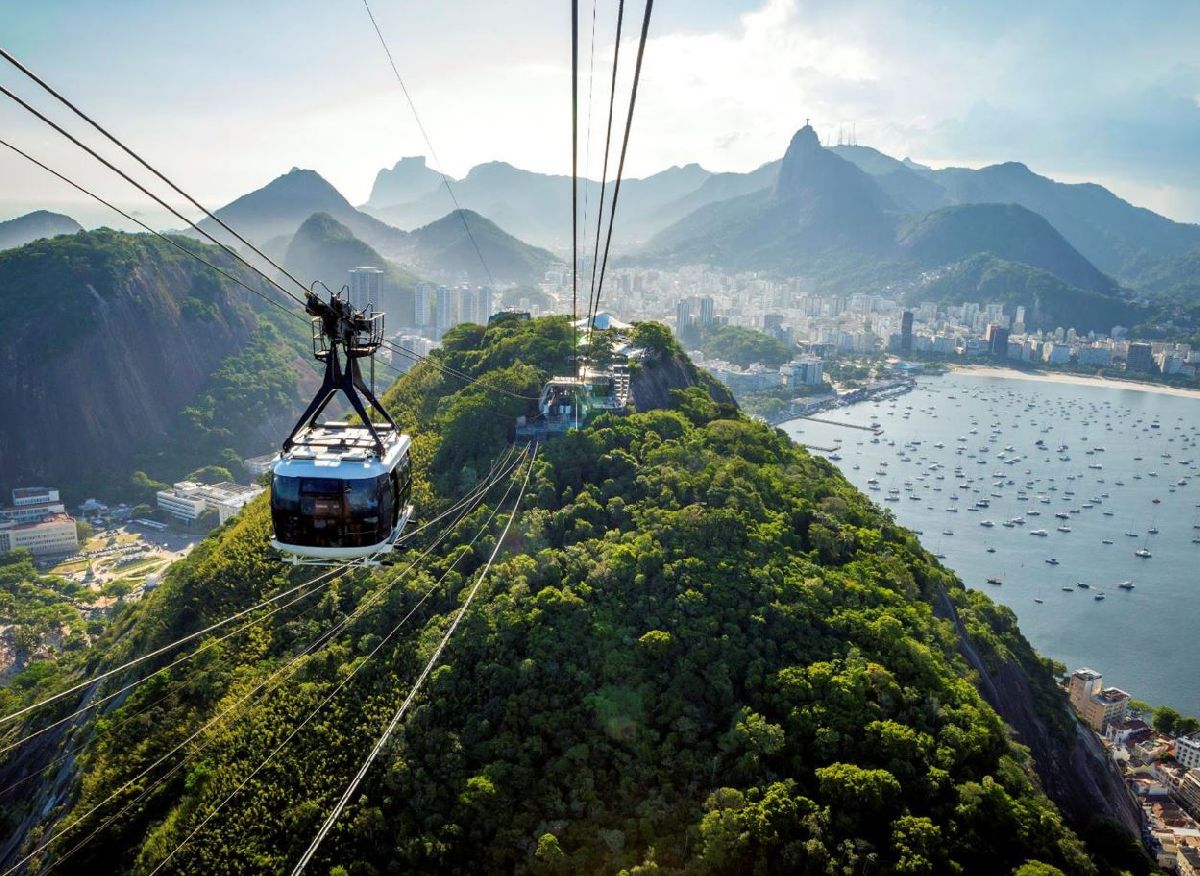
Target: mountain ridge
pixel 281 206
pixel 94 398
pixel 447 248
pixel 700 651
pixel 35 226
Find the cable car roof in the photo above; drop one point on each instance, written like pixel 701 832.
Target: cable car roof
pixel 342 450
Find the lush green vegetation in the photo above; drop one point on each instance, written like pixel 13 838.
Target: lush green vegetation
pixel 34 608
pixel 776 401
pixel 701 652
pixel 94 314
pixel 745 346
pixel 1049 301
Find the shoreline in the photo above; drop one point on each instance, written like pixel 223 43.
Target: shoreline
pixel 1073 379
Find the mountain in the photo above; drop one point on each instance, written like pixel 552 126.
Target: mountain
pixel 699 651
pixel 281 206
pixel 325 249
pixel 35 226
pixel 1120 239
pixel 537 207
pixel 121 352
pixel 1008 231
pixel 820 206
pixel 853 219
pixel 1123 241
pixel 717 187
pixel 409 180
pixel 1048 300
pixel 445 250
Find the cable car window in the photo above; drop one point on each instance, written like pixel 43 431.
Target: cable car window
pixel 363 495
pixel 321 486
pixel 285 494
pixel 330 512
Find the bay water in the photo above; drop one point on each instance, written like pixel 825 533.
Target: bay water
pixel 1119 466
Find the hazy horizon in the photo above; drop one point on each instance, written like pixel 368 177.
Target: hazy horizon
pixel 225 98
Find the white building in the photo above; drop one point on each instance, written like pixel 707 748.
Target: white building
pixel 424 304
pixel 805 371
pixel 186 500
pixel 31 504
pixel 259 465
pixel 54 534
pixel 1187 751
pixel 1056 353
pixel 445 307
pixel 366 287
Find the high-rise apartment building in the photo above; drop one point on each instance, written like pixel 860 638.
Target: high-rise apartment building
pixel 906 327
pixel 366 287
pixel 423 306
pixel 1139 358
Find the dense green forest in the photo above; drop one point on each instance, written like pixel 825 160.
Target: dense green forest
pixel 701 651
pixel 744 346
pixel 153 362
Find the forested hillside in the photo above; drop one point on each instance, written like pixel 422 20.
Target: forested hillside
pixel 701 651
pixel 121 352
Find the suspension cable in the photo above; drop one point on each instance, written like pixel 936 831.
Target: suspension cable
pixel 429 144
pixel 293 664
pixel 391 345
pixel 170 646
pixel 172 241
pixel 416 687
pixel 33 111
pixel 48 88
pixel 612 93
pixel 181 659
pixel 141 188
pixel 574 186
pixel 340 686
pixel 612 212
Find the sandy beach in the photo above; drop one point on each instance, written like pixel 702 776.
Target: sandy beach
pixel 1073 379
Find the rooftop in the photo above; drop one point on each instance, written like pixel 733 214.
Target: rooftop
pixel 1111 695
pixel 50 518
pixel 1084 672
pixel 30 492
pixel 336 441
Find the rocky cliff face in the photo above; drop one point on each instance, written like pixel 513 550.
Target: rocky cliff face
pixel 107 337
pixel 651 385
pixel 1074 770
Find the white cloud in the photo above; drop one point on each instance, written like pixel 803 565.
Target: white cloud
pixel 1070 93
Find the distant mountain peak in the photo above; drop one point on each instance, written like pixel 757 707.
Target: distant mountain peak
pixel 805 138
pixel 810 170
pixel 1011 167
pixel 408 179
pixel 35 226
pixel 300 180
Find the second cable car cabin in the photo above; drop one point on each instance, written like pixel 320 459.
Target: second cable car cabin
pixel 340 492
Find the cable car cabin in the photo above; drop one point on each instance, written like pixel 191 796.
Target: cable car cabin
pixel 336 498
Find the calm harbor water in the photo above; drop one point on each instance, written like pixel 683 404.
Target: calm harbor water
pixel 959 460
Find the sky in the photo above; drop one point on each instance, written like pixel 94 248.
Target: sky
pixel 225 95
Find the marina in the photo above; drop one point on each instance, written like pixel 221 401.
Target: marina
pixel 976 462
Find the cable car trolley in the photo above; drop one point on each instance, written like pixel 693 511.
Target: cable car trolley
pixel 340 492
